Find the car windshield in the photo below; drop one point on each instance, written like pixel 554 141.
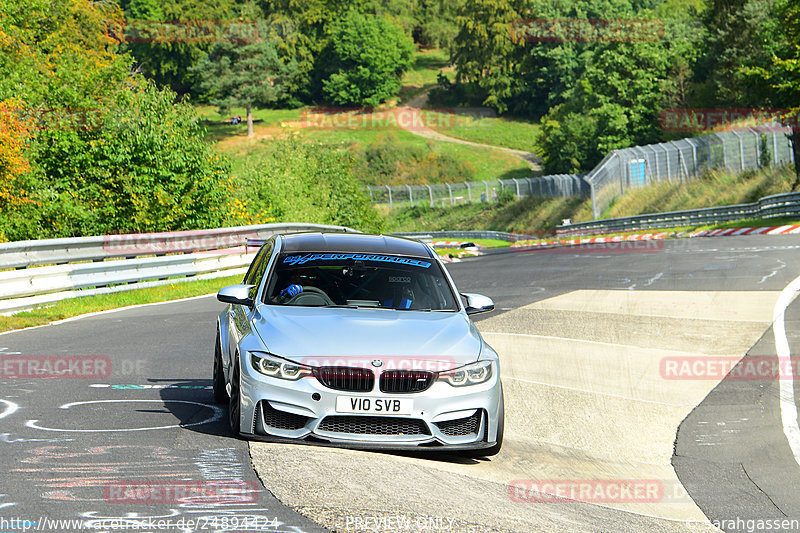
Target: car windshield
pixel 359 280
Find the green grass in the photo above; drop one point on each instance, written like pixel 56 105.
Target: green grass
pixel 476 127
pixel 714 189
pixel 757 223
pixel 90 304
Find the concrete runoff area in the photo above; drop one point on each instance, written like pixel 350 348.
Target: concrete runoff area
pixel 586 401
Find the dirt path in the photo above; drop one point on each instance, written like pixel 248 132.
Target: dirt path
pixel 415 126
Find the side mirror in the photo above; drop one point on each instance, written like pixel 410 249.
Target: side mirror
pixel 477 303
pixel 236 294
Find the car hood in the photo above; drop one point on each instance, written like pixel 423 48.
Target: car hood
pixel 319 337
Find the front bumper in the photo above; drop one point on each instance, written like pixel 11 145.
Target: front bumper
pixel 443 416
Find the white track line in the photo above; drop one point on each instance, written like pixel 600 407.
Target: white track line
pixel 106 312
pixel 786 383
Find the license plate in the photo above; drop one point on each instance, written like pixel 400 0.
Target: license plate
pixel 360 404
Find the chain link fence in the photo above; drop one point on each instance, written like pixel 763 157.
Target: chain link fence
pixel 619 171
pixel 685 160
pixel 449 194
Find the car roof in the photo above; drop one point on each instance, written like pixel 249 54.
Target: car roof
pixel 354 243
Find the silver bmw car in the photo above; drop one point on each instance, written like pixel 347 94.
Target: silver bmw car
pixel 360 341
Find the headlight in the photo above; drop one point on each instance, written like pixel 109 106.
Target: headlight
pixel 471 374
pixel 278 368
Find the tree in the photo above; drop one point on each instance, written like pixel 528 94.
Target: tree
pixel 364 60
pixel 244 75
pixel 169 37
pixel 781 78
pixel 146 168
pixel 14 135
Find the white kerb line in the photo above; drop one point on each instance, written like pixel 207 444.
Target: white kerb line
pixel 787 403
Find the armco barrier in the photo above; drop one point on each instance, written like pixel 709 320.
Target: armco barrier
pixel 22 254
pixel 468 235
pixel 778 205
pixel 91 261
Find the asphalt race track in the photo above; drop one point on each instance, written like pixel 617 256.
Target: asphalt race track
pixel 611 422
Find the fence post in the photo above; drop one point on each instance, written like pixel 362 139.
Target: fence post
pixel 655 155
pixel 694 157
pixel 724 151
pixel 741 150
pixel 469 191
pixel 391 205
pixel 666 156
pixel 430 191
pixel 410 195
pixel 371 198
pixel 775 148
pixel 516 186
pixel 450 189
pixel 758 147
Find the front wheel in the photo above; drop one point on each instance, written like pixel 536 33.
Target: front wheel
pixel 234 402
pixel 220 394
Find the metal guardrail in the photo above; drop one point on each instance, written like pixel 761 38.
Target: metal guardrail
pixel 778 205
pixel 203 253
pixel 468 235
pixel 23 254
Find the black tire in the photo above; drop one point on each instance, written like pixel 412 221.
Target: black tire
pixel 220 394
pixel 234 402
pixel 493 450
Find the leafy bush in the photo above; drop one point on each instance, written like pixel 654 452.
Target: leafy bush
pixel 304 182
pixel 142 166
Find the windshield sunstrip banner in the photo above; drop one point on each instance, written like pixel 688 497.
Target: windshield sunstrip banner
pixel 302 259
